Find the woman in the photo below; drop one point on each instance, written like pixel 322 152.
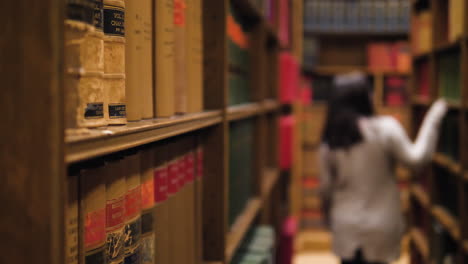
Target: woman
pixel 358 155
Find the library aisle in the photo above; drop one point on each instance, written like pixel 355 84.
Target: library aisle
pixel 187 131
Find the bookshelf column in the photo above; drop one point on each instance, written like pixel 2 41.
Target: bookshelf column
pixel 32 185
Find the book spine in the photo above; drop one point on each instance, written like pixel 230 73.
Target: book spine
pixel 115 212
pixel 84 94
pixel 198 166
pixel 164 68
pixel 114 62
pixel 173 189
pixel 198 57
pixel 133 211
pixel 161 223
pixel 93 215
pixel 191 49
pixel 147 205
pixel 146 96
pixel 71 221
pixel 180 69
pixel 134 60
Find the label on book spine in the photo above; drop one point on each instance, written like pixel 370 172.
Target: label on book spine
pixel 181 174
pixel 114 20
pixel 133 226
pixel 98 20
pixel 190 167
pixel 147 237
pixel 94 111
pixel 199 163
pixel 95 228
pixel 173 183
pixel 115 215
pixel 160 182
pixel 117 111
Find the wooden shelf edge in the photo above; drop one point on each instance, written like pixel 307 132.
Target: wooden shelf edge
pixel 446 162
pixel 332 33
pixel 243 111
pixel 270 179
pixel 270 105
pixel 420 241
pixel 335 69
pixel 447 220
pixel 110 140
pixel 421 195
pixel 241 226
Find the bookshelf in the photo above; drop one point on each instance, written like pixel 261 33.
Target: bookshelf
pixel 42 152
pixel 442 182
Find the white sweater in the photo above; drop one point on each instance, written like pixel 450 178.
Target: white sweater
pixel 365 205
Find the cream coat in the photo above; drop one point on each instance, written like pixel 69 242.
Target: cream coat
pixel 365 205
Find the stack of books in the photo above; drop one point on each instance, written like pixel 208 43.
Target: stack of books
pixel 357 16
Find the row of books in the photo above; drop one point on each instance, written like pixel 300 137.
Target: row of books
pixel 357 15
pixel 258 247
pixel 110 47
pixel 449 76
pixel 142 206
pixel 388 56
pixel 241 170
pixel 449 142
pixel 239 60
pixel 421 32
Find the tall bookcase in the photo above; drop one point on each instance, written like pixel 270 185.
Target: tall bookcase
pixel 36 153
pixel 439 218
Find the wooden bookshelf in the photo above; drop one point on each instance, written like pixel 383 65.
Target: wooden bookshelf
pixel 420 241
pixel 443 46
pixel 99 142
pixel 448 221
pixel 241 226
pixel 41 151
pixel 421 195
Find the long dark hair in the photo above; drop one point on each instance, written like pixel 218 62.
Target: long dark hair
pixel 350 100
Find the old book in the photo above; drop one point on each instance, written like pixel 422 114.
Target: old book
pixel 133 209
pixel 175 243
pixel 198 166
pixel 164 58
pixel 133 59
pixel 147 83
pixel 84 95
pixel 457 12
pixel 71 219
pixel 114 61
pixel 147 206
pixel 93 214
pixel 115 211
pixel 180 59
pixel 194 56
pixel 189 201
pixel 161 212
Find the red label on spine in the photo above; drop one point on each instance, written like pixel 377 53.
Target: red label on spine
pixel 190 169
pixel 115 213
pixel 160 184
pixel 95 228
pixel 147 194
pixel 182 168
pixel 173 185
pixel 133 202
pixel 200 163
